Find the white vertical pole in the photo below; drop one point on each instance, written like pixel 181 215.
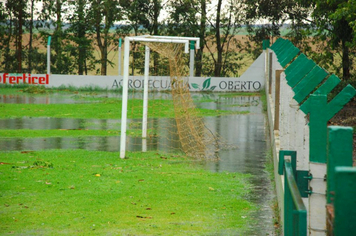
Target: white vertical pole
pixel 119 62
pixel 145 93
pixel 125 89
pixel 49 55
pixel 191 66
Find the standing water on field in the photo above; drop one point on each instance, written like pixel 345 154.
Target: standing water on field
pixel 245 132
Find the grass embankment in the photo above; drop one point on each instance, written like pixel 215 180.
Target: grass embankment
pixel 79 192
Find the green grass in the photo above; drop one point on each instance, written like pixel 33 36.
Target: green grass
pixel 78 192
pixel 107 109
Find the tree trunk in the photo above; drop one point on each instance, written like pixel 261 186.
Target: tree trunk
pixel 31 38
pixel 19 39
pixel 156 10
pixel 199 56
pixel 81 35
pixel 217 69
pixel 58 34
pixel 346 62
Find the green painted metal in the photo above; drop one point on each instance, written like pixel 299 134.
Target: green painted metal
pixel 317 128
pixel 301 73
pixel 49 41
pixel 282 155
pixel 303 178
pixel 324 89
pixel 295 65
pixel 320 113
pixel 309 83
pixel 281 47
pixel 284 50
pixel 340 100
pixel 120 42
pixel 328 85
pixel 265 44
pixel 345 201
pixel 295 213
pixel 276 44
pixel 192 45
pixel 289 57
pixel 340 146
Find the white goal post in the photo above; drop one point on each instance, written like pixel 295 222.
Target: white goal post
pixel 146 38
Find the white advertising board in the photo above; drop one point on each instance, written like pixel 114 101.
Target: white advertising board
pixel 252 80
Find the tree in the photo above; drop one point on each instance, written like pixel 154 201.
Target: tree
pixel 30 49
pixel 189 19
pixel 221 34
pixel 17 15
pixel 265 19
pixel 103 15
pixel 333 20
pixel 136 15
pixel 52 19
pixel 6 33
pixel 82 50
pixel 334 26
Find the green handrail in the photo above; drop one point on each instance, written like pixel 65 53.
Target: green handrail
pixel 295 213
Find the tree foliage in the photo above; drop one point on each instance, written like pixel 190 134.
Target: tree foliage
pixel 80 27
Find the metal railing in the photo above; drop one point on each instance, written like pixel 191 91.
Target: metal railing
pixel 295 213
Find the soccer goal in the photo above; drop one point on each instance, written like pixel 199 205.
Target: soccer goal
pixel 194 137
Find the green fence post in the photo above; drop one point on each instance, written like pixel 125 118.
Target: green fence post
pixel 318 122
pixel 345 201
pixel 265 44
pixel 320 113
pixel 340 146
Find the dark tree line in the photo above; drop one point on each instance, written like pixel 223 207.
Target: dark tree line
pixel 84 32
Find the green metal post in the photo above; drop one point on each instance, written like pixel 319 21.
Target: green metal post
pixel 345 201
pixel 49 55
pixel 318 128
pixel 191 58
pixel 265 44
pixel 340 148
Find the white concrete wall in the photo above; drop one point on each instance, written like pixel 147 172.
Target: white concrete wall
pixel 293 134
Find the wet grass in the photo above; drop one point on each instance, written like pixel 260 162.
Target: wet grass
pixel 95 193
pixel 107 109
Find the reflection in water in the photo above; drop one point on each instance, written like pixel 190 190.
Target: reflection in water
pixel 70 98
pixel 247 132
pixel 58 123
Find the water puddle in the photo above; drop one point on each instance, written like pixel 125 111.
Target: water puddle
pixel 246 131
pixel 58 123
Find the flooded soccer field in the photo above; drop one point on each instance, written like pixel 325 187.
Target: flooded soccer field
pixel 245 132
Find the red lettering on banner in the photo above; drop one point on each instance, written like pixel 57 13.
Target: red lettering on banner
pixel 33 80
pixel 12 80
pixel 24 78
